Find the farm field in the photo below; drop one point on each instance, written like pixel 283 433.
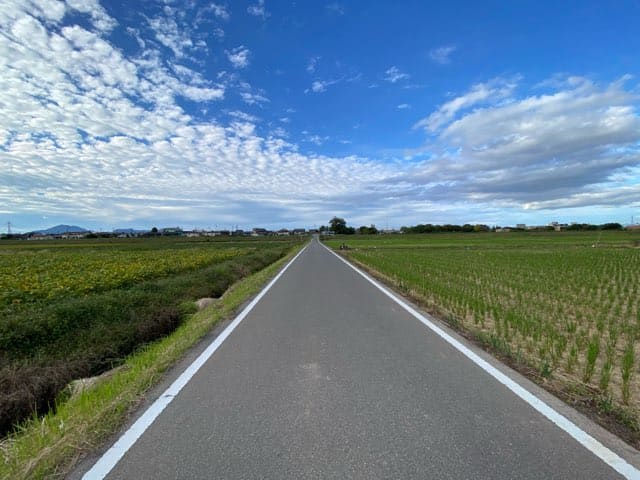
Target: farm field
pixel 45 274
pixel 565 304
pixel 72 309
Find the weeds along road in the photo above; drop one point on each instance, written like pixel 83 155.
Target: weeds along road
pixel 328 377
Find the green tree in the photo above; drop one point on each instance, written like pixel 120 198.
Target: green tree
pixel 339 226
pixel 371 230
pixel 611 226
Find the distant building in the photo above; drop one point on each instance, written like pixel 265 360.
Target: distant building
pixel 40 236
pixel 558 227
pixel 73 235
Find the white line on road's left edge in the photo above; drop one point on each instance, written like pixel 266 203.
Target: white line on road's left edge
pixel 583 438
pixel 112 456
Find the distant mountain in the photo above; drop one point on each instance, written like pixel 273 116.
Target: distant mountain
pixel 60 229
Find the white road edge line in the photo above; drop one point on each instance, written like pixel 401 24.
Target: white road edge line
pixel 594 446
pixel 112 456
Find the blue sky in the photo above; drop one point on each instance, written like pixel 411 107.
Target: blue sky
pixel 283 114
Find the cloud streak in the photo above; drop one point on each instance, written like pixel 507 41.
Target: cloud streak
pixel 493 91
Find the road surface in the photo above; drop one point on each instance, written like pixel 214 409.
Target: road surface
pixel 329 378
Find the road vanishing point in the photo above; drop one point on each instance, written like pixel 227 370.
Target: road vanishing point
pixel 326 375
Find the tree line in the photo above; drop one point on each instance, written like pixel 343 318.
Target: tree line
pixel 339 226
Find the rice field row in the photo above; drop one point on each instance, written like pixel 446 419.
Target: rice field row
pixel 560 303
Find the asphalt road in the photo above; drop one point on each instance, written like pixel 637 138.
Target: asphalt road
pixel 329 378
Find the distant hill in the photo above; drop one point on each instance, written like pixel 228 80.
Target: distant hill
pixel 60 229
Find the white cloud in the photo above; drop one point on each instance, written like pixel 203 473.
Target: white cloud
pixel 252 98
pixel 244 117
pixel 404 106
pixel 53 10
pixel 393 75
pixel 494 90
pixel 180 29
pixel 239 56
pixel 317 139
pixel 220 11
pixel 87 82
pixel 311 66
pixel 575 146
pixel 442 55
pixel 99 16
pixel 200 94
pixel 258 9
pixel 620 196
pixel 319 86
pixel 171 36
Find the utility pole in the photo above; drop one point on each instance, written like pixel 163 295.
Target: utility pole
pixel 8 228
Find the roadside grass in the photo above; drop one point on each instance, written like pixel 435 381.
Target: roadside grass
pixel 562 308
pixel 50 446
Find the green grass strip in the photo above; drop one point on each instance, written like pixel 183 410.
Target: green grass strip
pixel 49 447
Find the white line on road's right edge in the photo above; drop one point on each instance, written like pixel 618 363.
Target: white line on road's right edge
pixel 112 456
pixel 594 446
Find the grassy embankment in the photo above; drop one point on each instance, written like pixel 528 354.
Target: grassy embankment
pixel 562 307
pixel 99 330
